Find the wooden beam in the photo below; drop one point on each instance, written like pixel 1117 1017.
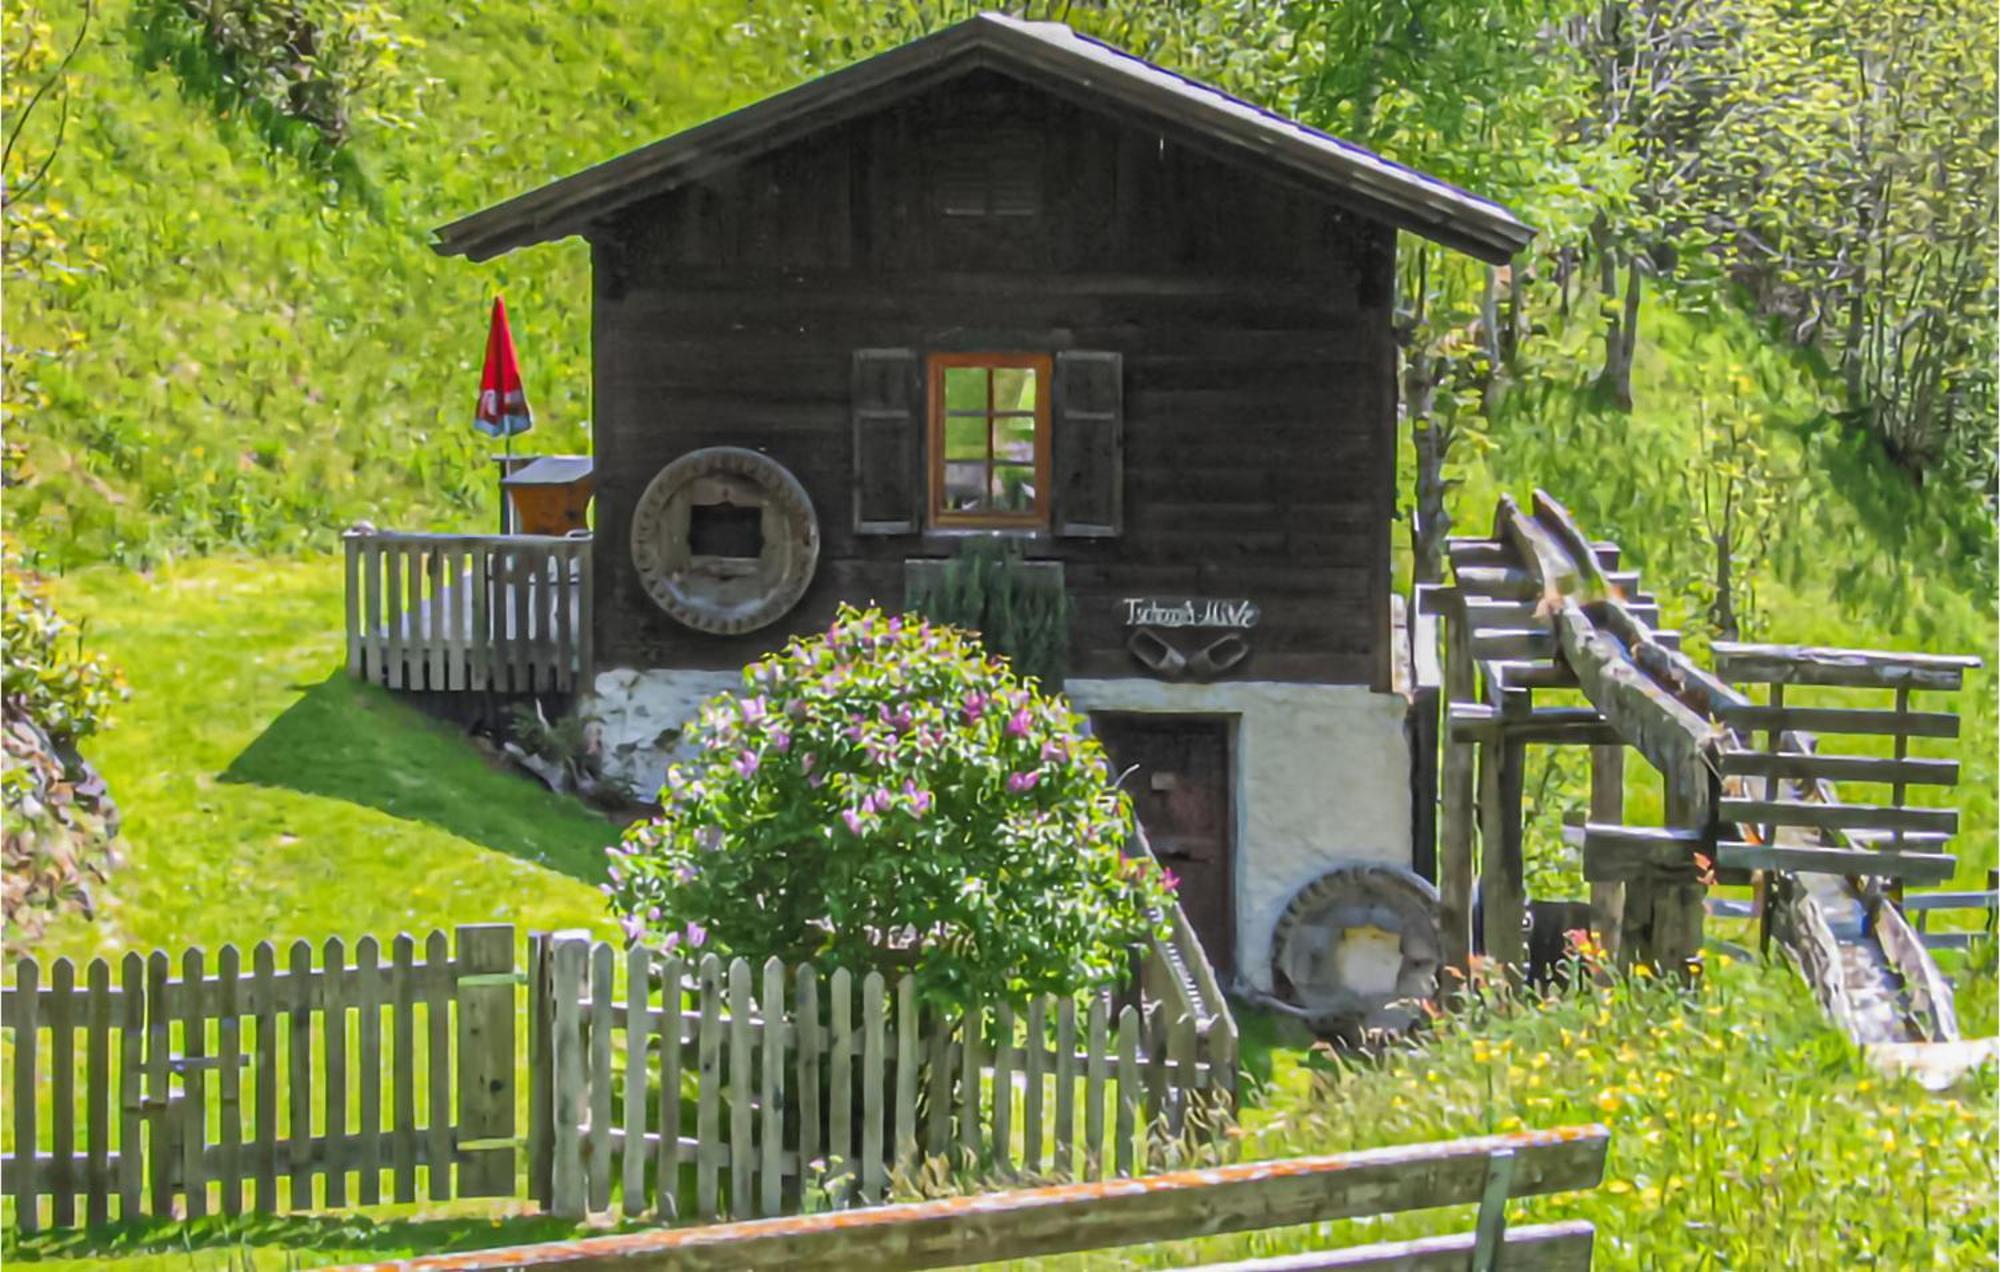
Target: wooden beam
pixel 1577 726
pixel 1622 854
pixel 1838 768
pixel 1030 1222
pixel 1929 994
pixel 1852 863
pixel 1503 883
pixel 1541 1247
pixel 1917 724
pixel 1793 812
pixel 1455 787
pixel 1807 665
pixel 1513 643
pixel 1607 807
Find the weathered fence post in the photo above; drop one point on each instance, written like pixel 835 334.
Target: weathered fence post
pixel 569 959
pixel 486 1059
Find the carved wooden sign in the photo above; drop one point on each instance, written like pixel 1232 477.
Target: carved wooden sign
pixel 1188 611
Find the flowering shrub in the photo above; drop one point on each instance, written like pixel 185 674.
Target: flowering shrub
pixel 886 796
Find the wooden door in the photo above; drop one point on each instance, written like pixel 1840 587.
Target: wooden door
pixel 1177 771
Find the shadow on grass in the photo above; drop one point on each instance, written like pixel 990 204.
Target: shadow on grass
pixel 349 741
pixel 256 1241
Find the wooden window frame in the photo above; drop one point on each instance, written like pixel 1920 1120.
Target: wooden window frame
pixel 1042 364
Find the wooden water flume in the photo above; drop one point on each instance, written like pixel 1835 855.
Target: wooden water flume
pixel 1540 606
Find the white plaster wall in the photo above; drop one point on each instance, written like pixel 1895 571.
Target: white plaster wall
pixel 1322 779
pixel 1322 772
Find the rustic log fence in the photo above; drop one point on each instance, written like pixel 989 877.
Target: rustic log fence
pixel 468 613
pixel 699 1087
pixel 220 1087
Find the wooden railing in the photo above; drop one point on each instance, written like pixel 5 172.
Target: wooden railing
pixel 1071 1218
pixel 789 1075
pixel 185 1103
pixel 468 613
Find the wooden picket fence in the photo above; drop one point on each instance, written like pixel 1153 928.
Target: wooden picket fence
pixel 738 1089
pixel 194 1085
pixel 467 612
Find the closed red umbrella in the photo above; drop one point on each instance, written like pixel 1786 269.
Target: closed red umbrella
pixel 503 405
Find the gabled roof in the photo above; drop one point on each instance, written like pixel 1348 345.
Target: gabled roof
pixel 1047 54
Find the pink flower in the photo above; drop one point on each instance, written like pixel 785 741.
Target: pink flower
pixel 807 761
pixel 1017 724
pixel 697 935
pixel 1170 881
pixel 633 927
pixel 975 706
pixel 853 819
pixel 753 709
pixel 669 942
pixel 1019 782
pixel 781 742
pixel 1054 751
pixel 746 764
pixel 920 801
pixel 685 873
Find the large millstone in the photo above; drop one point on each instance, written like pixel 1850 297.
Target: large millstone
pixel 1358 949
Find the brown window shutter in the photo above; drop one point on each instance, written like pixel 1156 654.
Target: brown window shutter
pixel 1090 444
pixel 888 441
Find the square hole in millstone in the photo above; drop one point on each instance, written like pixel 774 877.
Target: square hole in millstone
pixel 725 530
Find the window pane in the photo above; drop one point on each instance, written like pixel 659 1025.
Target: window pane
pixel 964 487
pixel 1013 488
pixel 965 437
pixel 1013 388
pixel 965 388
pixel 1014 439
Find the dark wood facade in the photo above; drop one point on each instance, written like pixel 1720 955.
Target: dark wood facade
pixel 1250 318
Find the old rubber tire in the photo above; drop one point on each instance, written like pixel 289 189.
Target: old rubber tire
pixel 1358 949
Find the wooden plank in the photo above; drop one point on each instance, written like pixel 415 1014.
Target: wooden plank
pixel 742 1143
pixel 1911 867
pixel 708 1130
pixel 1065 1113
pixel 299 1066
pixel 333 1024
pixel 638 972
pixel 1839 768
pixel 484 1047
pixel 131 1071
pixel 874 1041
pixel 351 596
pixel 1607 807
pixel 1128 1089
pixel 264 1078
pixel 1035 1222
pixel 193 1129
pixel 1915 901
pixel 840 1080
pixel 61 1014
pixel 25 1023
pixel 1002 1152
pixel 439 990
pixel 971 1066
pixel 771 1090
pixel 1867 668
pixel 413 613
pixel 1455 823
pixel 1560 726
pixel 937 1064
pixel 807 1036
pixel 1538 1247
pixel 369 556
pixel 667 1171
pixel 479 644
pixel 1182 1039
pixel 563 599
pixel 229 1078
pixel 1097 1057
pixel 1614 854
pixel 1510 644
pixel 597 1157
pixel 1502 874
pixel 1787 812
pixel 522 565
pixel 907 1017
pixel 570 958
pixel 1034 1075
pixel 1916 724
pixel 368 1067
pixel 403 1073
pixel 393 590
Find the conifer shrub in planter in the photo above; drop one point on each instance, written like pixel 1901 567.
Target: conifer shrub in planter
pixel 886 796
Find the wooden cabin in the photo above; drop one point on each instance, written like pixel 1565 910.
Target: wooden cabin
pixel 1009 281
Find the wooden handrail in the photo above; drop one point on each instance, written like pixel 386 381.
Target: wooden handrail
pixel 1072 1217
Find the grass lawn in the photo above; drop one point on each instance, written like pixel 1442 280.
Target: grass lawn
pixel 267 795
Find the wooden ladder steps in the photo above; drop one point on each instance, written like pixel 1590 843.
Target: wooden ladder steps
pixel 1849 817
